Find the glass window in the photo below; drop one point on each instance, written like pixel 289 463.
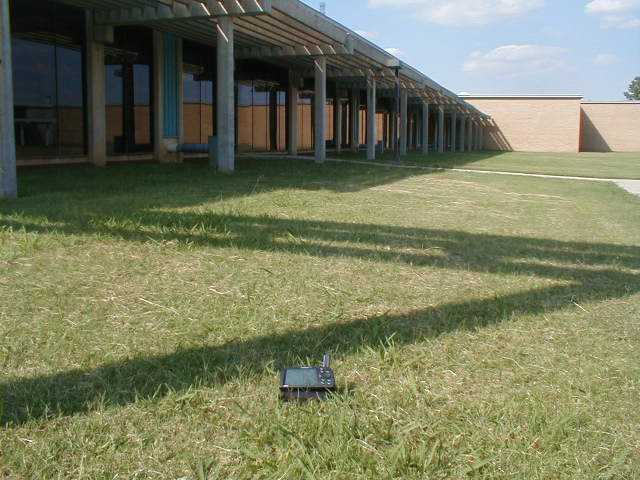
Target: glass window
pixel 47 42
pixel 129 91
pixel 199 71
pixel 261 107
pixel 245 116
pixel 305 121
pixel 282 120
pixel 261 124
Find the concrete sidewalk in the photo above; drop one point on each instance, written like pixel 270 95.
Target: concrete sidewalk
pixel 631 186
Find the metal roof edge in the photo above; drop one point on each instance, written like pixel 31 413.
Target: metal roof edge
pixel 553 95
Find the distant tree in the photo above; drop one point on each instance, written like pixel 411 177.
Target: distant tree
pixel 634 90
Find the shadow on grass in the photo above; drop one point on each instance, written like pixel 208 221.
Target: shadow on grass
pixel 181 184
pixel 432 159
pixel 588 272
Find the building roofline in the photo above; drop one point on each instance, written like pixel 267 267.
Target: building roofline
pixel 573 96
pixel 359 57
pixel 616 102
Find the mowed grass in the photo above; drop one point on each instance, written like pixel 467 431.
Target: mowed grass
pixel 597 165
pixel 481 326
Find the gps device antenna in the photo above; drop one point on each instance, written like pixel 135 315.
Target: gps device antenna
pixel 307 383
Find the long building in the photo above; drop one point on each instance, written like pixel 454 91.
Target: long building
pixel 101 81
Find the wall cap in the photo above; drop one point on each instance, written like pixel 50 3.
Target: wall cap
pixel 465 95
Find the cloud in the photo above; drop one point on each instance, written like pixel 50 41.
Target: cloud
pixel 611 6
pixel 517 60
pixel 604 59
pixel 464 12
pixel 620 21
pixel 395 51
pixel 616 13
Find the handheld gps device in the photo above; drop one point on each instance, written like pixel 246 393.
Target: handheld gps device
pixel 307 383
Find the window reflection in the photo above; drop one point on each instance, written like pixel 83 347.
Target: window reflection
pixel 129 91
pixel 47 42
pixel 305 120
pixel 261 116
pixel 261 107
pixel 245 116
pixel 198 108
pixel 282 120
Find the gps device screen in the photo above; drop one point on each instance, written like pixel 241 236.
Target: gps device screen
pixel 307 383
pixel 301 377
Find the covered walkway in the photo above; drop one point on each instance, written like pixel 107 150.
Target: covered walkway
pixel 285 56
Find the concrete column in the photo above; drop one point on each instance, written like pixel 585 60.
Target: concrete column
pixel 337 119
pixel 292 113
pixel 96 96
pixel 474 137
pixel 469 145
pixel 463 133
pixel 425 128
pixel 481 137
pixel 454 132
pixel 320 67
pixel 180 67
pixel 158 96
pixel 410 133
pixel 403 122
pixel 440 130
pixel 394 129
pixel 418 130
pixel 354 111
pixel 372 128
pixel 8 176
pixel 225 99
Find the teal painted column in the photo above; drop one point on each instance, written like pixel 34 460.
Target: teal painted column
pixel 170 83
pixel 167 99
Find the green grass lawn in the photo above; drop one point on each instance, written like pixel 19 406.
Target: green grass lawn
pixel 599 165
pixel 481 326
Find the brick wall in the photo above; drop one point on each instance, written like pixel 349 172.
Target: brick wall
pixel 610 127
pixel 531 124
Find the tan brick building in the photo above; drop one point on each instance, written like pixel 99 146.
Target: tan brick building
pixel 610 127
pixel 558 123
